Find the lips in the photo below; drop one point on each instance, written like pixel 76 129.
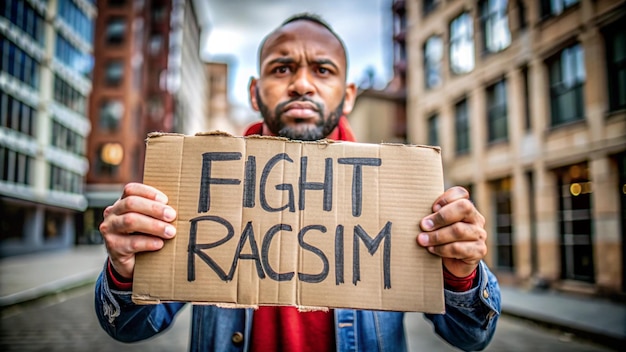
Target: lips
pixel 300 110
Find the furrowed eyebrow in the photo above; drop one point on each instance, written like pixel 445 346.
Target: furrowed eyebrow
pixel 282 60
pixel 326 62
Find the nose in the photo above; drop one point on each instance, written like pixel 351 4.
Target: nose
pixel 301 84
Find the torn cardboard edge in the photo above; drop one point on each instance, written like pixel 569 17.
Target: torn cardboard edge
pixel 347 217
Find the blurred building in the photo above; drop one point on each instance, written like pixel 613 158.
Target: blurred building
pixel 527 99
pixel 45 80
pixel 148 77
pixel 380 115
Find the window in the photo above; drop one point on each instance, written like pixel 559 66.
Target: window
pixel 16 115
pixel 497 112
pixel 462 44
pixel 461 127
pixel 22 14
pixel 576 222
pixel 615 41
pixel 16 167
pixel 503 224
pixel 433 130
pixel 495 25
pixel 155 44
pixel 73 58
pixel 567 79
pixel 114 73
pixel 63 180
pixel 65 94
pixel 429 6
pixel 433 54
pixel 76 19
pixel 526 97
pixel 18 64
pixel 555 7
pixel 67 139
pixel 111 113
pixel 115 31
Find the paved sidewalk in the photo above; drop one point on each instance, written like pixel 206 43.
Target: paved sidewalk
pixel 31 276
pixel 28 277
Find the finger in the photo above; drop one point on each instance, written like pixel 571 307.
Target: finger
pixel 144 191
pixel 459 231
pixel 470 252
pixel 138 204
pixel 125 246
pixel 135 222
pixel 459 210
pixel 451 195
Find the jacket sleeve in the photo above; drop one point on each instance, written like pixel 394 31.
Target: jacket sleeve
pixel 470 319
pixel 128 322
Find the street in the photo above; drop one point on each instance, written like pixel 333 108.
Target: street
pixel 67 322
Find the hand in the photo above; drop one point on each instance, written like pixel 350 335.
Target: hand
pixel 455 231
pixel 137 222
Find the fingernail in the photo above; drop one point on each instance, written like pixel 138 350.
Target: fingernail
pixel 428 224
pixel 170 231
pixel 169 214
pixel 437 207
pixel 422 239
pixel 161 198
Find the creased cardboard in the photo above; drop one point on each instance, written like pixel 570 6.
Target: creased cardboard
pixel 266 221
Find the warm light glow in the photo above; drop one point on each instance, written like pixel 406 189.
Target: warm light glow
pixel 112 153
pixel 575 189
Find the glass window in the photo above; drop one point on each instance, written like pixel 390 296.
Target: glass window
pixel 25 17
pixel 462 44
pixel 433 130
pixel 567 79
pixel 497 112
pixel 73 58
pixel 433 54
pixel 65 94
pixel 503 224
pixel 16 115
pixel 615 41
pixel 16 167
pixel 575 191
pixel 76 19
pixel 115 30
pixel 111 113
pixel 429 6
pixel 114 72
pixel 18 64
pixel 495 25
pixel 462 127
pixel 555 7
pixel 155 44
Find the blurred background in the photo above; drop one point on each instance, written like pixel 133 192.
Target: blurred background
pixel 527 99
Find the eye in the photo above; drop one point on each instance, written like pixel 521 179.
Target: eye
pixel 281 69
pixel 323 70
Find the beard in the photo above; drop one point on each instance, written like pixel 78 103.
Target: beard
pixel 304 132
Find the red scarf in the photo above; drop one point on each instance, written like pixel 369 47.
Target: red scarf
pixel 284 328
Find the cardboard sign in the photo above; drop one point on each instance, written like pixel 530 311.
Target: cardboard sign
pixel 267 221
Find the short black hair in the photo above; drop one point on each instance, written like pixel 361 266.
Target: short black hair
pixel 311 17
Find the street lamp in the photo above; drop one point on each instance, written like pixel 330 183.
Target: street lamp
pixel 112 153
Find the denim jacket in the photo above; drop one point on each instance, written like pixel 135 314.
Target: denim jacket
pixel 469 322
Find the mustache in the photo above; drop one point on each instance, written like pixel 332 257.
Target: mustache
pixel 281 106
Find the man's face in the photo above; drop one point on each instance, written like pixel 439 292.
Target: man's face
pixel 302 89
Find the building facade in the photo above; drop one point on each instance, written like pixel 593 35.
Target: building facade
pixel 45 81
pixel 527 99
pixel 148 77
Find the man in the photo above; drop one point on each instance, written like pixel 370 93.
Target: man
pixel 302 94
